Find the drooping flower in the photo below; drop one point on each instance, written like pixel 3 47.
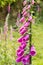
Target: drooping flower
pixel 24 9
pixel 23 31
pixel 28 15
pixel 30 18
pixel 25 59
pixel 20 52
pixel 21 28
pixel 20 39
pixel 19 59
pixel 32 51
pixel 23 45
pixel 24 2
pixel 22 19
pixel 28 7
pixel 26 24
pixel 25 14
pixel 26 37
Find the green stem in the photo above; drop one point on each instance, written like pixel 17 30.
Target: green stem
pixel 30 42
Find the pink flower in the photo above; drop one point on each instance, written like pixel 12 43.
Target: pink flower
pixel 20 39
pixel 28 14
pixel 20 52
pixel 24 9
pixel 26 37
pixel 32 51
pixel 25 13
pixel 30 18
pixel 24 3
pixel 25 64
pixel 19 59
pixel 27 24
pixel 22 19
pixel 25 59
pixel 23 31
pixel 28 7
pixel 33 2
pixel 23 45
pixel 21 28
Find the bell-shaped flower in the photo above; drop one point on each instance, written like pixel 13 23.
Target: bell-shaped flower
pixel 23 31
pixel 20 39
pixel 24 2
pixel 30 18
pixel 19 59
pixel 20 52
pixel 25 59
pixel 28 7
pixel 23 45
pixel 26 37
pixel 24 9
pixel 22 19
pixel 25 14
pixel 32 51
pixel 26 24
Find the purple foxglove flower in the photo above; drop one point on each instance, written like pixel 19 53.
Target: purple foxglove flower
pixel 26 37
pixel 20 52
pixel 20 39
pixel 25 59
pixel 24 9
pixel 21 28
pixel 32 51
pixel 28 7
pixel 33 2
pixel 9 8
pixel 22 19
pixel 28 14
pixel 25 13
pixel 27 24
pixel 30 18
pixel 25 64
pixel 23 31
pixel 23 45
pixel 23 42
pixel 19 59
pixel 24 3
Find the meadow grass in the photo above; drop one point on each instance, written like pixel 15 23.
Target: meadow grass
pixel 11 47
